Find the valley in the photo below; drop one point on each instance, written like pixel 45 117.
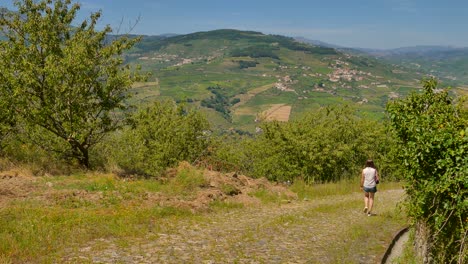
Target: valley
pixel 253 72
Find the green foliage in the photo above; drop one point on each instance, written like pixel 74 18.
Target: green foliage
pixel 219 102
pixel 7 118
pixel 247 64
pixel 229 153
pixel 63 82
pixel 186 182
pixel 432 131
pixel 323 146
pixel 160 136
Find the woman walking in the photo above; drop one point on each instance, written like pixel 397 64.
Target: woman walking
pixel 369 181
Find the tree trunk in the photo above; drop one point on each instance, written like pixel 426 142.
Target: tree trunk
pixel 80 152
pixel 422 242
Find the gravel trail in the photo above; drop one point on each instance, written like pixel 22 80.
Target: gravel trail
pixel 328 230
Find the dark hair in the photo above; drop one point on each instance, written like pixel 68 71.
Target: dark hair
pixel 370 163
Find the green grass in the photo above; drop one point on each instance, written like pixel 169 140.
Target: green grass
pixel 223 206
pixel 185 183
pixel 34 230
pixel 267 196
pixel 31 232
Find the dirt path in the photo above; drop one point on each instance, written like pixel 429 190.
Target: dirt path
pixel 332 230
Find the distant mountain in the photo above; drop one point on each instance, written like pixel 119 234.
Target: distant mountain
pixel 168 35
pixel 317 43
pixel 414 50
pixel 447 63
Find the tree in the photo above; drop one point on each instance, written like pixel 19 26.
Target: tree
pixel 160 136
pixel 64 82
pixel 432 132
pixel 7 120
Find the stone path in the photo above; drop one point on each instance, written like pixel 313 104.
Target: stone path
pixel 331 230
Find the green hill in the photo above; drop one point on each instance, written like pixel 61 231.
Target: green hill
pixel 237 76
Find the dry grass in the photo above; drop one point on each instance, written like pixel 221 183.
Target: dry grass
pixel 279 112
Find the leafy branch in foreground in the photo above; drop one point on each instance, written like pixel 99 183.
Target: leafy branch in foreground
pixel 63 82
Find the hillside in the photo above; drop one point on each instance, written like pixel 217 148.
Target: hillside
pixel 240 77
pixel 447 63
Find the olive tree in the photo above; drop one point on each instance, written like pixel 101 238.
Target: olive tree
pixel 66 83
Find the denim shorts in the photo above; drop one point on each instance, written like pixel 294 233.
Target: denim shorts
pixel 372 189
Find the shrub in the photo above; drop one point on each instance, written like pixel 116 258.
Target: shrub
pixel 159 137
pixel 323 146
pixel 433 149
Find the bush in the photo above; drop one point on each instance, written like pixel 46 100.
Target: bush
pixel 433 150
pixel 247 64
pixel 159 137
pixel 328 145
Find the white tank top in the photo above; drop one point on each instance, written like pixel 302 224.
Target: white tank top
pixel 369 177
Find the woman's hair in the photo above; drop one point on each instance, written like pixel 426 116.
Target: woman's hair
pixel 370 163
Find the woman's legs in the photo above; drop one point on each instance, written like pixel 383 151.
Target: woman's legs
pixel 371 201
pixel 366 202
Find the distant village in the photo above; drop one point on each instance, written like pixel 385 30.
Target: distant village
pixel 340 77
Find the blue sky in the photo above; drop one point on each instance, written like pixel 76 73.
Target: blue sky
pixel 350 23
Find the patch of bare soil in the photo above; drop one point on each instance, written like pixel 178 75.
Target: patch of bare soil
pixel 14 185
pixel 230 187
pixel 220 187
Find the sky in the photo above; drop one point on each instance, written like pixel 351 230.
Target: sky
pixel 378 24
